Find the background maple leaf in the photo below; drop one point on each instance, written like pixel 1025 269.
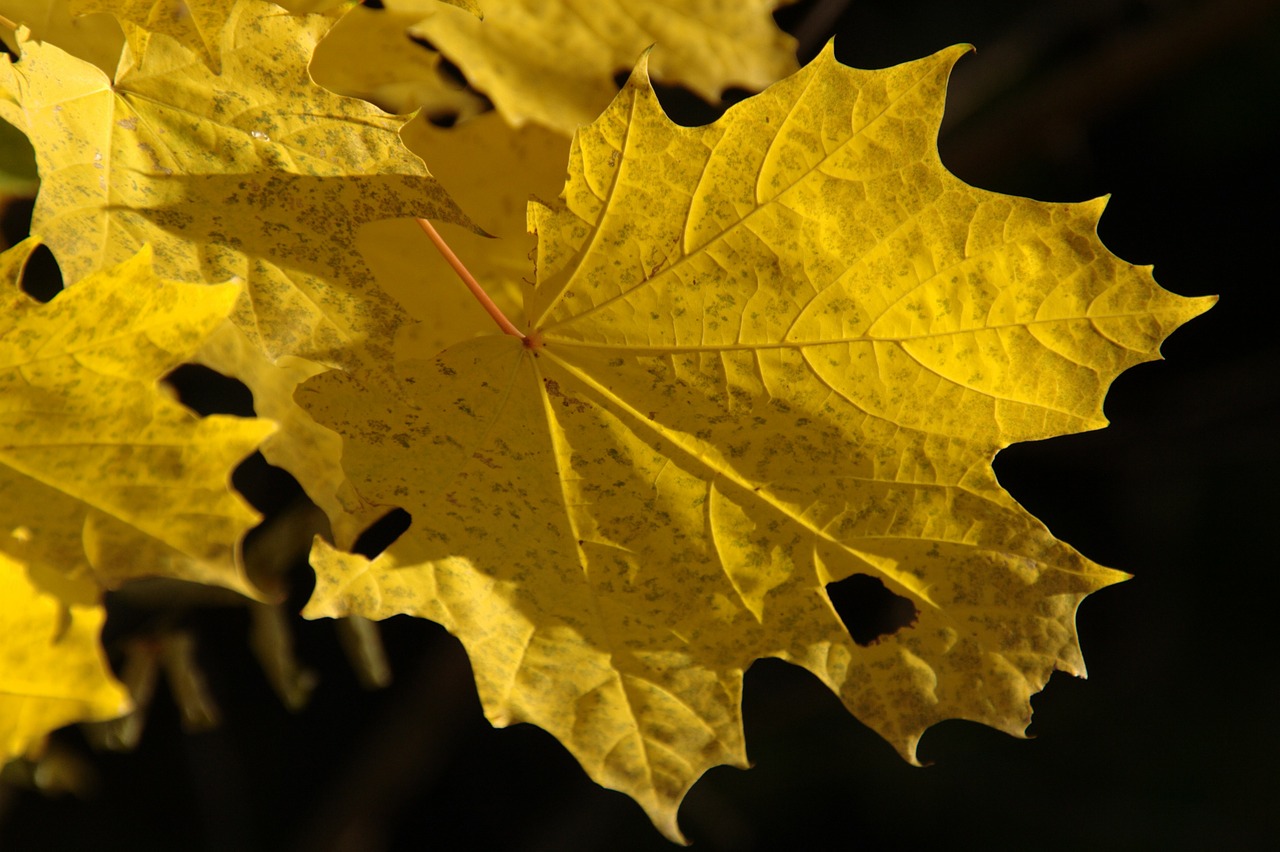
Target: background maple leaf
pixel 108 477
pixel 249 170
pixel 517 53
pixel 56 674
pixel 96 38
pixel 403 76
pixel 1169 744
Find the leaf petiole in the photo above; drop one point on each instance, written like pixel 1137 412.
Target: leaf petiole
pixel 472 284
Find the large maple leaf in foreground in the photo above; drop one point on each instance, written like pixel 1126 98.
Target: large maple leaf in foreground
pixel 761 356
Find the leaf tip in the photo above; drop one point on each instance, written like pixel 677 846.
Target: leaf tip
pixel 639 77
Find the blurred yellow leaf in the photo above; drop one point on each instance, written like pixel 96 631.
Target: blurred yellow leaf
pixel 99 470
pixel 469 5
pixel 369 54
pixel 554 62
pixel 762 356
pixel 97 39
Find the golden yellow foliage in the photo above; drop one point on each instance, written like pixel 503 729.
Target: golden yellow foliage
pixel 369 54
pixel 259 166
pixel 256 173
pixel 757 358
pixel 52 671
pixel 531 160
pixel 554 63
pixel 96 38
pixel 104 475
pixel 198 25
pixel 761 356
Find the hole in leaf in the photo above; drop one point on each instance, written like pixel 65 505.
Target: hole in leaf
pixel 15 219
pixel 444 119
pixel 275 551
pixel 733 95
pixel 382 533
pixel 448 70
pixel 267 487
pixel 788 16
pixel 207 391
pixel 869 610
pixel 373 4
pixel 452 74
pixel 689 109
pixel 42 279
pixel 424 41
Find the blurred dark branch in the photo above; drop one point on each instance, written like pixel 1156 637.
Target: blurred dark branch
pixel 815 28
pixel 982 139
pixel 404 753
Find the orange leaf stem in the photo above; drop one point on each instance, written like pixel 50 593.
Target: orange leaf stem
pixel 472 284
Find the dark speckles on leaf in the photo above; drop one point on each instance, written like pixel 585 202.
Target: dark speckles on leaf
pixel 487 461
pixel 553 390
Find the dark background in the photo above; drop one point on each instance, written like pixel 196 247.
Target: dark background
pixel 1172 107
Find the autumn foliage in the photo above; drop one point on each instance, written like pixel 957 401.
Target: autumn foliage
pixel 754 358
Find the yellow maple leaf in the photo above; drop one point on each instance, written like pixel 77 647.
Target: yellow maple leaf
pixel 761 356
pixel 52 670
pixel 466 158
pixel 255 173
pixel 198 24
pixel 100 471
pixel 203 25
pixel 95 38
pixel 516 54
pixel 172 154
